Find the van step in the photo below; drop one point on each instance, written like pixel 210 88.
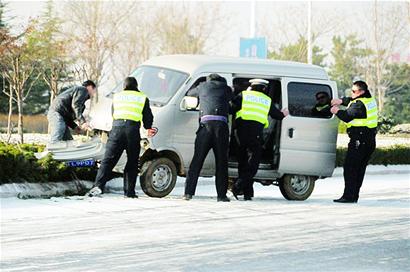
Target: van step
pixel 263 166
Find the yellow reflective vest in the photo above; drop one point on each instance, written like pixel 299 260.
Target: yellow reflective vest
pixel 371 114
pixel 128 105
pixel 255 107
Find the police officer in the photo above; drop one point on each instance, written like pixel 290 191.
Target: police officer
pixel 66 111
pixel 253 107
pixel 361 120
pixel 130 107
pixel 213 132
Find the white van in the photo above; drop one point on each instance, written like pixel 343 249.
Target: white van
pixel 297 150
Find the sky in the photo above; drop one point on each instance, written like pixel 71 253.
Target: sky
pixel 346 13
pixel 280 21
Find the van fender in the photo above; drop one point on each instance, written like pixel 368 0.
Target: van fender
pixel 169 153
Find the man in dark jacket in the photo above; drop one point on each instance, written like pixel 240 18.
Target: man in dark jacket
pixel 66 111
pixel 130 108
pixel 322 107
pixel 213 132
pixel 252 108
pixel 361 119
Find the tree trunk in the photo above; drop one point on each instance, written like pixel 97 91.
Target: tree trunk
pixel 9 126
pixel 20 119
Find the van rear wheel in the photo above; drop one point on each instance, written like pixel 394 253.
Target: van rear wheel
pixel 296 187
pixel 158 177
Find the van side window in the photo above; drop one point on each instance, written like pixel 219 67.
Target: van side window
pixel 309 100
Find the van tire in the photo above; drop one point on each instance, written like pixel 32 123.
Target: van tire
pixel 158 177
pixel 296 187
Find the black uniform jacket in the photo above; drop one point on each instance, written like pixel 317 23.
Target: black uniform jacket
pixel 70 105
pixel 355 111
pixel 214 97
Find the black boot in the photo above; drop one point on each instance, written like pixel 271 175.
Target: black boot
pixel 223 199
pixel 187 197
pixel 344 200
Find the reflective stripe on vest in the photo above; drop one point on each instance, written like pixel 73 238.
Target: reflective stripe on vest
pixel 371 112
pixel 128 105
pixel 320 108
pixel 255 107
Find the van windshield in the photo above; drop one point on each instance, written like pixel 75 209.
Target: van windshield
pixel 159 84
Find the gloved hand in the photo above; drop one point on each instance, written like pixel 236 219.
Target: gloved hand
pixel 336 102
pixel 334 109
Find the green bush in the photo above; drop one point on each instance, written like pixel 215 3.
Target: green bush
pixel 385 124
pixel 18 164
pixel 396 154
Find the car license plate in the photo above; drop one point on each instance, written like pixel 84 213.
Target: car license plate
pixel 81 163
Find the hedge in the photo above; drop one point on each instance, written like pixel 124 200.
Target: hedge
pixel 18 164
pixel 395 154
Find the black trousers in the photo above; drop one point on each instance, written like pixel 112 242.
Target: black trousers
pixel 215 135
pixel 124 135
pixel 249 154
pixel 354 168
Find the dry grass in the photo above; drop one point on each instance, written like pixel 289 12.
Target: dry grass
pixel 32 123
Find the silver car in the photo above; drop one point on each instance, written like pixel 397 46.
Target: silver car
pixel 296 151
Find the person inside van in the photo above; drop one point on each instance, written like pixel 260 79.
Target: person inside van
pixel 213 132
pixel 322 107
pixel 252 109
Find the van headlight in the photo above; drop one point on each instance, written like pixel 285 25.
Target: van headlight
pixel 144 143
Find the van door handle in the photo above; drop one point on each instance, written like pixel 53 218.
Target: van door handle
pixel 290 132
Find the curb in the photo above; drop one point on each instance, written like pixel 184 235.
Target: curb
pixel 80 187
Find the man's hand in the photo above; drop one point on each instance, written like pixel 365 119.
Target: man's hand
pixel 334 109
pixel 85 126
pixel 77 130
pixel 151 132
pixel 336 102
pixel 285 112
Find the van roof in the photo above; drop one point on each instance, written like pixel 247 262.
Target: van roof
pixel 200 63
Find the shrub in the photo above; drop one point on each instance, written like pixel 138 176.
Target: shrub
pixel 385 124
pixel 396 154
pixel 18 164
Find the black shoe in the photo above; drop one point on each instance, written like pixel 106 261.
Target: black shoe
pixel 247 198
pixel 344 200
pixel 131 196
pixel 223 199
pixel 187 197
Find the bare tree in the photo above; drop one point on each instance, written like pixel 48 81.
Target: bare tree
pixel 287 22
pixel 93 27
pixel 186 28
pixel 18 64
pixel 390 32
pixel 137 39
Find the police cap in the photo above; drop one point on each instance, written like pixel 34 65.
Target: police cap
pixel 259 81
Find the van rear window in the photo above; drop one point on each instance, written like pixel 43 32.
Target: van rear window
pixel 309 100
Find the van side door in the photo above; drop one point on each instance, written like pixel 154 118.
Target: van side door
pixel 308 135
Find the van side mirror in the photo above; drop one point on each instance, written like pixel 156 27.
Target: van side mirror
pixel 189 103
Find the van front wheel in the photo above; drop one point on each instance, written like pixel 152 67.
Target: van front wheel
pixel 158 177
pixel 297 187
